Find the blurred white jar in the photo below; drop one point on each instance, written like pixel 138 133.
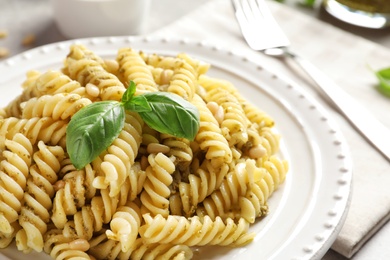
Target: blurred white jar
pixel 93 18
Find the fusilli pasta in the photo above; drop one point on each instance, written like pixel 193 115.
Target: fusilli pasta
pixel 121 155
pixel 60 247
pixel 14 172
pixel 104 248
pixel 235 123
pixel 154 198
pixel 35 212
pixel 124 225
pixel 195 231
pixel 148 195
pixel 59 106
pixel 133 67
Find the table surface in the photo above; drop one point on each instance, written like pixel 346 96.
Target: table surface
pixel 17 15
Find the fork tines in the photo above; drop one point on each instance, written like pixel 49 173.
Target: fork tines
pixel 257 24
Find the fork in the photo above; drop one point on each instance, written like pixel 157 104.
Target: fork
pixel 262 33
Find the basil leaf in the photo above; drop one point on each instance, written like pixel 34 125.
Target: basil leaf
pixel 138 104
pixel 383 76
pixel 92 129
pixel 129 93
pixel 171 114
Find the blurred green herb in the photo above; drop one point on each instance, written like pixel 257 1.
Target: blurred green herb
pixel 307 3
pixel 383 76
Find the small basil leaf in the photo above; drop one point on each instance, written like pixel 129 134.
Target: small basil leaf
pixel 92 129
pixel 383 76
pixel 172 115
pixel 129 93
pixel 138 104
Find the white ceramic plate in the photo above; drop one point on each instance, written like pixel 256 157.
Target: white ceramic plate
pixel 308 210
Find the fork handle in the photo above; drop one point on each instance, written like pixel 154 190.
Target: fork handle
pixel 363 121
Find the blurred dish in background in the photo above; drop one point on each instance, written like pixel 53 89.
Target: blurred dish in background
pixel 364 13
pixel 93 18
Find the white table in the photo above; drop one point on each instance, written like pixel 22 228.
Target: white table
pixel 23 17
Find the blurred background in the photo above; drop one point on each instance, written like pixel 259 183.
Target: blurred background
pixel 29 23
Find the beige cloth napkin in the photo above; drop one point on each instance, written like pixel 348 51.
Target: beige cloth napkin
pixel 344 58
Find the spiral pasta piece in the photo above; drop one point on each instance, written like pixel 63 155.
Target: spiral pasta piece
pixel 124 225
pixel 157 61
pixel 254 114
pixel 178 74
pixel 162 77
pixel 100 210
pixel 91 217
pixel 219 171
pixel 134 183
pixel 270 140
pixel 81 52
pixel 235 123
pixel 60 247
pixel 195 231
pixel 275 174
pixel 210 136
pixel 54 82
pixel 134 68
pixel 169 63
pixel 104 248
pixel 224 202
pixel 6 240
pixel 48 130
pixel 14 171
pixel 121 154
pixel 59 106
pixel 201 184
pixel 35 212
pixel 180 148
pixel 72 192
pixel 200 67
pixel 254 203
pixel 182 76
pixel 183 81
pixel 28 85
pixel 254 148
pixel 13 109
pixel 3 113
pixel 154 198
pixel 129 190
pixel 86 70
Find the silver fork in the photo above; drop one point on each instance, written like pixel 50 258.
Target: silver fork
pixel 262 33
